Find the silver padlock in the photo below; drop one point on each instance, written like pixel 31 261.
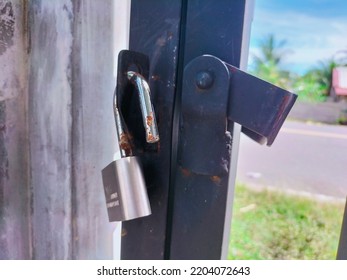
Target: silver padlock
pixel 124 184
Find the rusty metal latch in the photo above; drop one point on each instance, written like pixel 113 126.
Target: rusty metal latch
pixel 214 93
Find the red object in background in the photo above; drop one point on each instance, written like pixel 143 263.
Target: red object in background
pixel 339 82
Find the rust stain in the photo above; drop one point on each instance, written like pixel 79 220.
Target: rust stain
pixel 150 138
pixel 149 120
pixel 124 143
pixel 216 179
pixel 186 172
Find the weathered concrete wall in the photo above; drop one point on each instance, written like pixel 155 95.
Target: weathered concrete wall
pixel 12 44
pixel 93 126
pixel 71 86
pixel 56 128
pixel 15 238
pixel 50 126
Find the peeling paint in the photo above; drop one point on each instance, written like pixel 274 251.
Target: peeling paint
pixel 186 172
pixel 216 179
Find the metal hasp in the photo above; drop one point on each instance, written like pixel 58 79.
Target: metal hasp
pixel 124 184
pixel 197 100
pixel 215 93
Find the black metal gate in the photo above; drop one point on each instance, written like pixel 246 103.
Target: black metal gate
pixel 197 98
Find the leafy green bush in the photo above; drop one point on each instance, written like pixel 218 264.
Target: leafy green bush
pixel 309 89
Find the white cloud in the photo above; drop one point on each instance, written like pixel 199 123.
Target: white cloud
pixel 310 38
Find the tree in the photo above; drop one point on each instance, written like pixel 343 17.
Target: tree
pixel 323 72
pixel 267 64
pixel 271 51
pixel 315 84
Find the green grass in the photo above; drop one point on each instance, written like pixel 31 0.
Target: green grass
pixel 274 225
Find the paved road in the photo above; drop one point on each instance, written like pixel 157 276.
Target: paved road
pixel 304 157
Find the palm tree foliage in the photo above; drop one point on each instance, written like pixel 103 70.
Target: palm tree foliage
pixel 323 71
pixel 314 85
pixel 267 64
pixel 271 51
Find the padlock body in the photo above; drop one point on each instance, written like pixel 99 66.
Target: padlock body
pixel 125 190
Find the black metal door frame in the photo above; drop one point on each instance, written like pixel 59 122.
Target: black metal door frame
pixel 172 33
pixel 194 49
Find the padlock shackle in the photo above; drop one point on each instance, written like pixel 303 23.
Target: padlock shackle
pixel 148 115
pixel 124 142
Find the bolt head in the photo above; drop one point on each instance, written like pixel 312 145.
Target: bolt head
pixel 204 80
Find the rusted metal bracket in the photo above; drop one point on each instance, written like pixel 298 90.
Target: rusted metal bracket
pixel 205 145
pixel 214 95
pixel 214 92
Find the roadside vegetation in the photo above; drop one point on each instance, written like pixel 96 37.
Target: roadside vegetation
pixel 273 225
pixel 313 86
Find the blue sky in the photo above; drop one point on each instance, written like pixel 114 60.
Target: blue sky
pixel 314 29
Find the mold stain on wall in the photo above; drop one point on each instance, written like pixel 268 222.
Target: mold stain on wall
pixel 7 21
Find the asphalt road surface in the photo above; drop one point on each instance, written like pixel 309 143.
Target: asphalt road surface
pixel 305 157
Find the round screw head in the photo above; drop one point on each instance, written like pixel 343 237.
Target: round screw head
pixel 204 80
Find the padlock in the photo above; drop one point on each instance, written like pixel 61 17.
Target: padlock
pixel 123 180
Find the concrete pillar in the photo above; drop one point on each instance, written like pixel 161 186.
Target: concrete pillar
pixel 56 127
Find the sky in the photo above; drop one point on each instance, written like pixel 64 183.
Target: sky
pixel 314 30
